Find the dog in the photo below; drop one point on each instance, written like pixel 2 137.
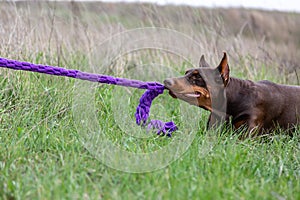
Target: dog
pixel 259 107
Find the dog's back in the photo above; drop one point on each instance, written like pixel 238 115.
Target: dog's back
pixel 280 103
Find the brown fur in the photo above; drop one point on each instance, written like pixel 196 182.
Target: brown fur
pixel 260 106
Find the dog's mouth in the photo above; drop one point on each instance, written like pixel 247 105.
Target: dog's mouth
pixel 195 94
pixel 192 95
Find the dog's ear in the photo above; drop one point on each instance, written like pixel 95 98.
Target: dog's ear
pixel 224 69
pixel 203 62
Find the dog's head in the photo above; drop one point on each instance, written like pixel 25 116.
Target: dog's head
pixel 199 86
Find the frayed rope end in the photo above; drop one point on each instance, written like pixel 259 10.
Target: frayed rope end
pixel 142 114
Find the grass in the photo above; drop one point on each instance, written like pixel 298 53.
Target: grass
pixel 41 154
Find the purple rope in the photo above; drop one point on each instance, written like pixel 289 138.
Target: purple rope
pixel 142 111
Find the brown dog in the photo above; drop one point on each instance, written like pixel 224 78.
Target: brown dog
pixel 259 105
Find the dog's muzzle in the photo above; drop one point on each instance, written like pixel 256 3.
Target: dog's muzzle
pixel 168 84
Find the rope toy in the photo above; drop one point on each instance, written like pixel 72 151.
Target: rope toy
pixel 153 89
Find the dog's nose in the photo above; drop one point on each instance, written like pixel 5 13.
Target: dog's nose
pixel 168 82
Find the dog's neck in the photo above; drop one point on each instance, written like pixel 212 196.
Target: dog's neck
pixel 237 93
pixel 231 100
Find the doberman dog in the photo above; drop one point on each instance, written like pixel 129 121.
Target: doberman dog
pixel 258 106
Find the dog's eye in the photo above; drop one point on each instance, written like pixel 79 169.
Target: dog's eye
pixel 193 78
pixel 200 82
pixel 197 80
pixel 196 77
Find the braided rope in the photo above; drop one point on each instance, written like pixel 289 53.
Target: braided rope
pixel 142 111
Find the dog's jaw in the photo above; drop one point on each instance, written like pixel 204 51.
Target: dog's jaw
pixel 188 95
pixel 172 94
pixel 197 97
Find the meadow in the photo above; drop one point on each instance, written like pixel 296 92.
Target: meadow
pixel 43 151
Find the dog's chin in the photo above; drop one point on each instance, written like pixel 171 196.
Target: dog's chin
pixel 172 94
pixel 192 100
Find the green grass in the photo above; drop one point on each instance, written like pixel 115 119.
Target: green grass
pixel 42 157
pixel 41 151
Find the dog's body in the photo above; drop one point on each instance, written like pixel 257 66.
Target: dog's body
pixel 260 106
